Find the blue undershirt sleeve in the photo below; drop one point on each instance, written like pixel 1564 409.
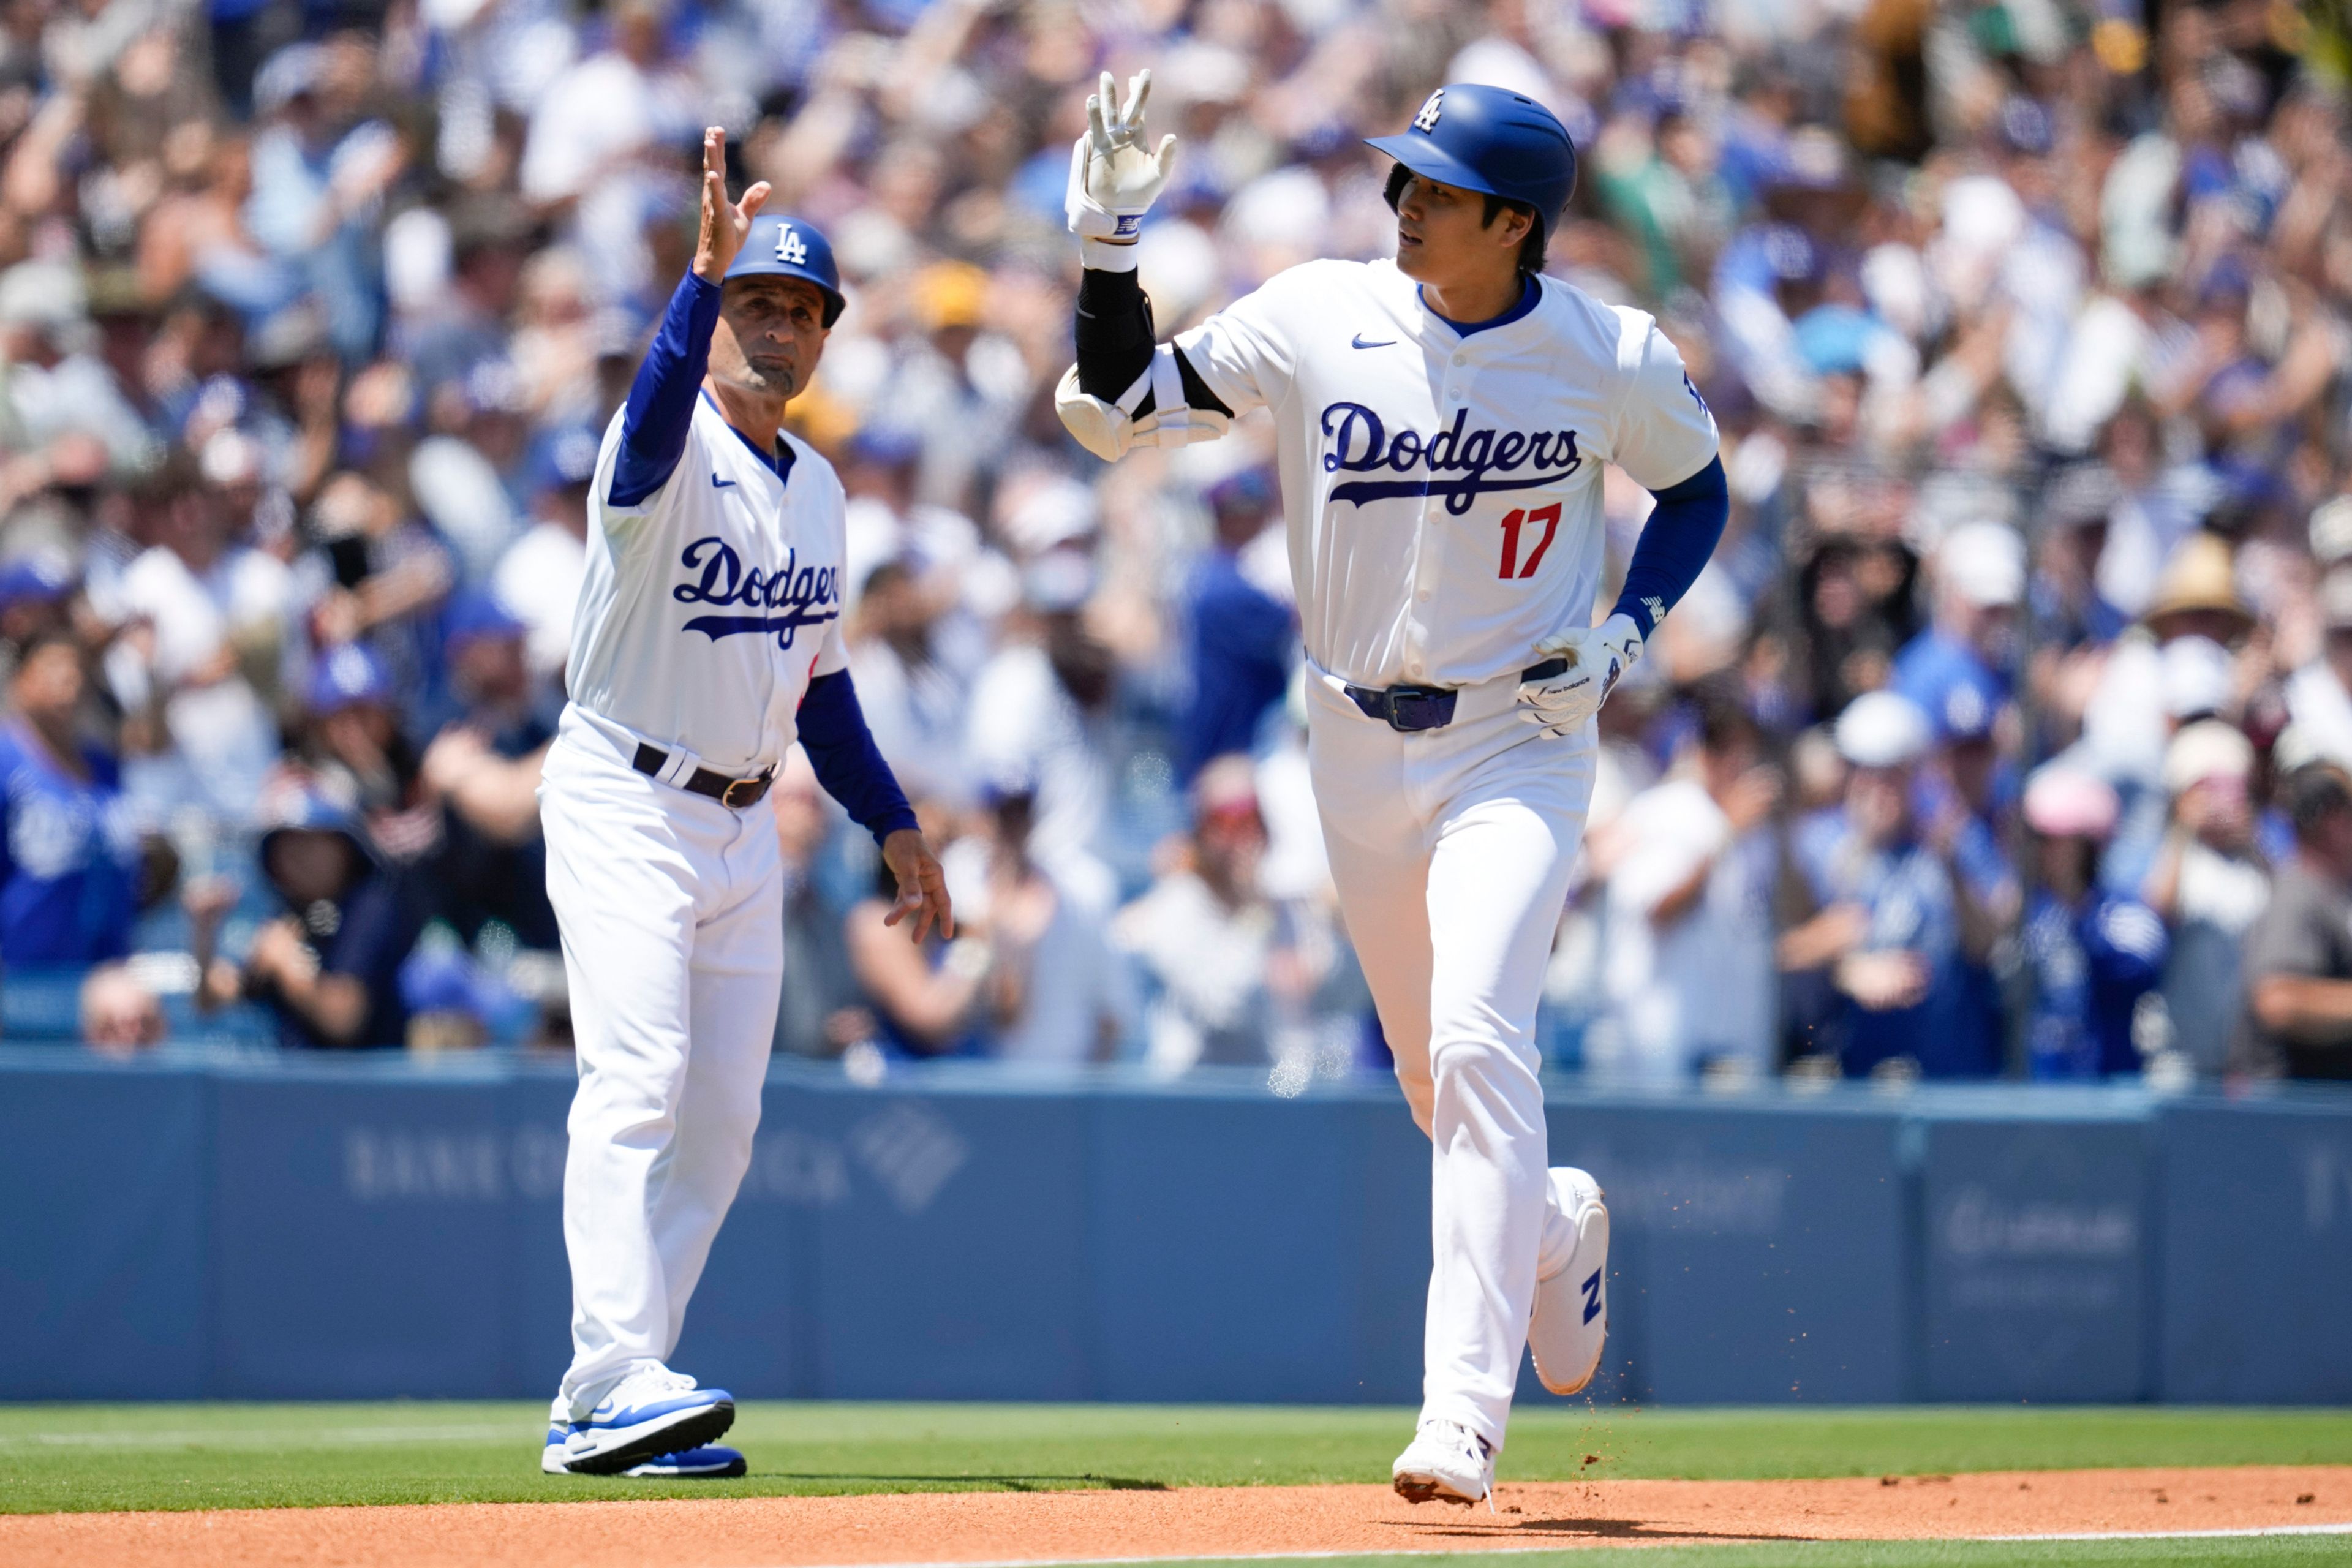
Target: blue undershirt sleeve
pixel 661 400
pixel 847 762
pixel 1674 545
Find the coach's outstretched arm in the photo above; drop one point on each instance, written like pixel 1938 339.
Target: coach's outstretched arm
pixel 660 409
pixel 1126 389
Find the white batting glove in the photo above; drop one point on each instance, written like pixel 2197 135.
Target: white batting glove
pixel 1597 657
pixel 1113 177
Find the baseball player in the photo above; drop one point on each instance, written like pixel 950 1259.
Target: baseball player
pixel 708 639
pixel 1441 422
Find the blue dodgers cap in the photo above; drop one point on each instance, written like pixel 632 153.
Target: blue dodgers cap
pixel 1493 140
pixel 33 580
pixel 346 675
pixel 475 612
pixel 781 246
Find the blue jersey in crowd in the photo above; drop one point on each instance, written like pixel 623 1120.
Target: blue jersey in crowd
pixel 1906 895
pixel 1951 682
pixel 366 934
pixel 68 862
pixel 1240 660
pixel 2091 963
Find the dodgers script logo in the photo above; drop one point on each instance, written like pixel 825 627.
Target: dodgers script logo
pixel 806 595
pixel 1361 445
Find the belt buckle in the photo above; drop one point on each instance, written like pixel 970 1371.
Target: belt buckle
pixel 727 796
pixel 1412 709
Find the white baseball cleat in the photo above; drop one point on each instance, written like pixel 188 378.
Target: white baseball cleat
pixel 1446 1462
pixel 650 1413
pixel 1571 1316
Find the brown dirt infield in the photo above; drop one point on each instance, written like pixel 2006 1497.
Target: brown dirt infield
pixel 1207 1522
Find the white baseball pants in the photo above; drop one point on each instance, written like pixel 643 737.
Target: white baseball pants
pixel 671 906
pixel 1452 850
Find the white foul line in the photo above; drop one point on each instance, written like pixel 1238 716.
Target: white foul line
pixel 2344 1528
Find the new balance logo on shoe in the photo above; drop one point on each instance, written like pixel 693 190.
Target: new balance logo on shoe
pixel 1593 1297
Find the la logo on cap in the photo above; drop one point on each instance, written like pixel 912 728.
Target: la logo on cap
pixel 791 249
pixel 1426 120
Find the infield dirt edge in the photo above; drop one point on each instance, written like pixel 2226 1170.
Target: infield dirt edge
pixel 1075 1527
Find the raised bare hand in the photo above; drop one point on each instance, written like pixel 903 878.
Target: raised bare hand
pixel 724 223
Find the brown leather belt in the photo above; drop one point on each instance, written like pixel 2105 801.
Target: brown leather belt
pixel 735 793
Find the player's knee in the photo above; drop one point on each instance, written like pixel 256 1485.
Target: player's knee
pixel 1473 1062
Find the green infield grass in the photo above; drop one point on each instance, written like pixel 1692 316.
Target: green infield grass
pixel 100 1457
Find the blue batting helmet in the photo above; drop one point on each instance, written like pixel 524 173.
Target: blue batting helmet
pixel 783 247
pixel 1493 140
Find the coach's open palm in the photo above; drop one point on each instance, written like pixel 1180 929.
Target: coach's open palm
pixel 724 223
pixel 1113 177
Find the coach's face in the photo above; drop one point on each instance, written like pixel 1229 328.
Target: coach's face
pixel 771 334
pixel 1444 238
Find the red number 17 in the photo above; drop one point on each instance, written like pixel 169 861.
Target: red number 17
pixel 1546 515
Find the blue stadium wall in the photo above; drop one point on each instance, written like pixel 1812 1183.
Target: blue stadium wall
pixel 360 1229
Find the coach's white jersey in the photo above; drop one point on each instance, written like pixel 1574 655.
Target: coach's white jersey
pixel 1443 492
pixel 708 607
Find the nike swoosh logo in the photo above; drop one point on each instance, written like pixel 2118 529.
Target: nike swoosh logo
pixel 718 484
pixel 1359 342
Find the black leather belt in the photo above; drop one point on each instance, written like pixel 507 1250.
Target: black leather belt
pixel 1413 708
pixel 735 793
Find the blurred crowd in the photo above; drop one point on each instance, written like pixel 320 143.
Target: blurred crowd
pixel 2005 735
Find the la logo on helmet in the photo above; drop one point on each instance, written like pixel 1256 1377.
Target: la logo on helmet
pixel 1426 120
pixel 791 249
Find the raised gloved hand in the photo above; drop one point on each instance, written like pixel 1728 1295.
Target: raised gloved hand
pixel 1598 657
pixel 1113 177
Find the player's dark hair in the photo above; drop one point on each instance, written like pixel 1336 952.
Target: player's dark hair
pixel 1531 248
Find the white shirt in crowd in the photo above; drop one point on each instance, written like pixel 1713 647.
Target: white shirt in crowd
pixel 1700 986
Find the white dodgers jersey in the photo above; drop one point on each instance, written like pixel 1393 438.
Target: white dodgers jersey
pixel 1443 492
pixel 708 605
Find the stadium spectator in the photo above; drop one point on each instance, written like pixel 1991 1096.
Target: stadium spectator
pixel 1037 717
pixel 311 316
pixel 69 860
pixel 1688 948
pixel 1240 633
pixel 200 614
pixel 1224 972
pixel 1896 926
pixel 2297 1016
pixel 121 1014
pixel 483 768
pixel 2091 957
pixel 2209 884
pixel 330 967
pixel 822 1012
pixel 1958 671
pixel 1054 992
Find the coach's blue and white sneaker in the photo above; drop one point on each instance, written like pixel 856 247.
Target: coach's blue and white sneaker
pixel 1446 1462
pixel 713 1461
pixel 648 1416
pixel 1571 1316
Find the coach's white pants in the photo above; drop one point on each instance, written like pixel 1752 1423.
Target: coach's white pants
pixel 672 912
pixel 1452 849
